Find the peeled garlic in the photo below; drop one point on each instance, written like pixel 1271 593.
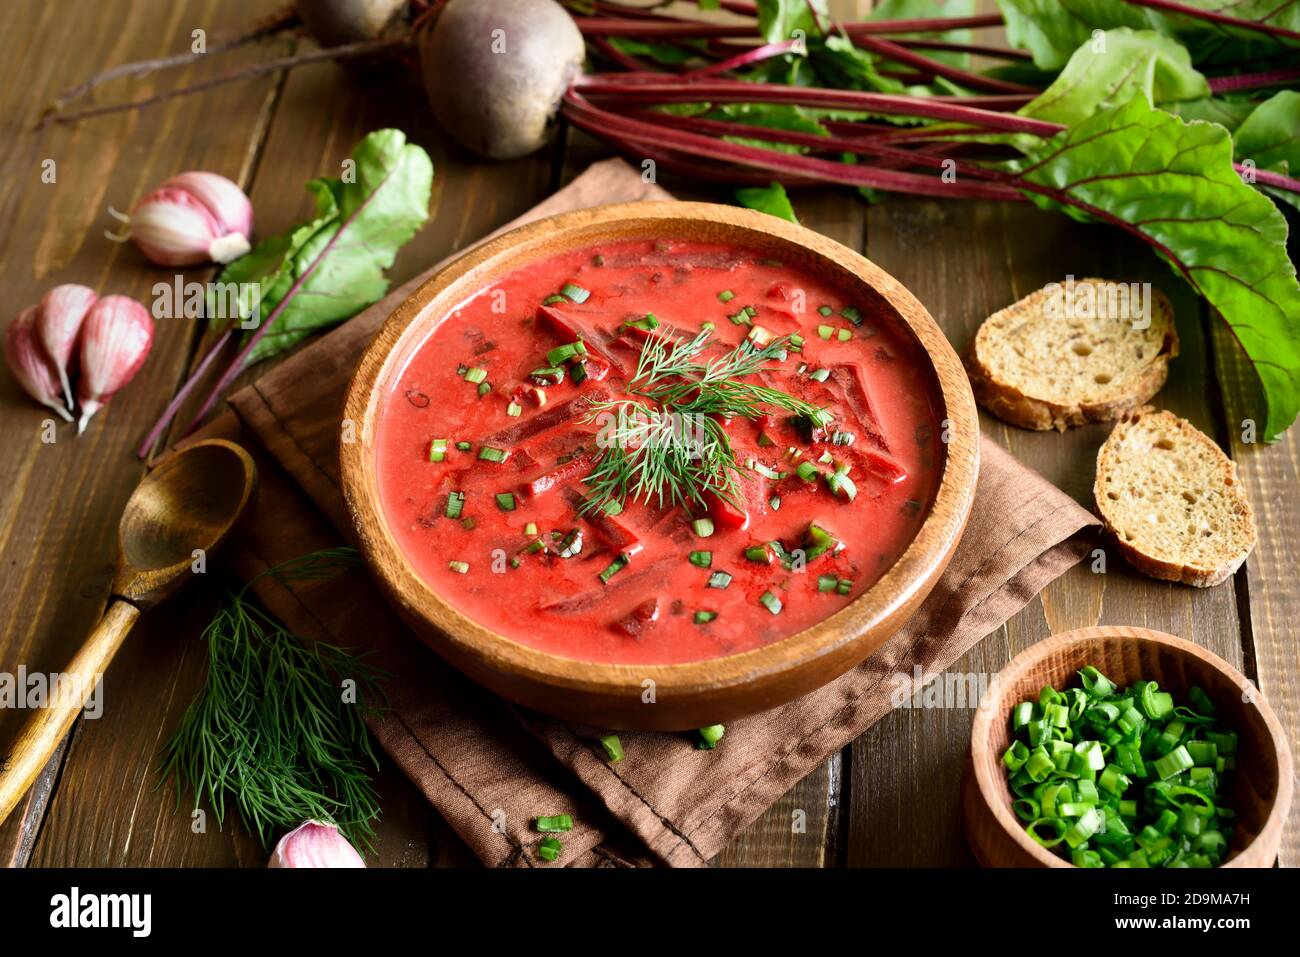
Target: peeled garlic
pixel 191 218
pixel 315 844
pixel 115 340
pixel 58 320
pixel 29 364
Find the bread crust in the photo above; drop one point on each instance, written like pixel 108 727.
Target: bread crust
pixel 1012 404
pixel 1199 576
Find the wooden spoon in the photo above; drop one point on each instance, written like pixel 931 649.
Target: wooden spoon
pixel 178 515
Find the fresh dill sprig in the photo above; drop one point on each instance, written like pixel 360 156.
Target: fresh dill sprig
pixel 670 447
pixel 270 728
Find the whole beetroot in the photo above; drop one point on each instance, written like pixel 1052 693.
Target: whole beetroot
pixel 495 70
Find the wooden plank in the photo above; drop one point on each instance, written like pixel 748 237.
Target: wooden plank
pixel 964 261
pixel 58 519
pixel 1271 477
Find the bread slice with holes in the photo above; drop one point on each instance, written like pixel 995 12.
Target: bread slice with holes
pixel 1051 361
pixel 1172 500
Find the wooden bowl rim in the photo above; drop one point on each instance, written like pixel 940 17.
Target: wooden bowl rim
pixel 982 726
pixel 932 545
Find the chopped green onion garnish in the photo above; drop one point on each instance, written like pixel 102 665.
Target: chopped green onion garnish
pixel 719 579
pixel 549 849
pixel 796 343
pixel 530 528
pixel 571 544
pixel 553 824
pixel 488 454
pixel 844 586
pixel 807 471
pixel 455 502
pixel 825 310
pixel 547 375
pixel 770 602
pixel 613 747
pixel 701 559
pixel 703 527
pixel 514 409
pixel 826 583
pixel 506 501
pixel 576 293
pixel 852 315
pixel 464 446
pixel 759 553
pixel 844 335
pixel 1123 777
pixel 459 568
pixel 437 450
pixel 553 299
pixel 726 295
pixel 842 486
pixel 774 503
pixel 477 374
pixel 825 331
pixel 704 617
pixel 484 388
pixel 710 736
pixel 614 567
pixel 819 375
pixel 562 354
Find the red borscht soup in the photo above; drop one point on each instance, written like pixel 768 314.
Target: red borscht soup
pixel 657 452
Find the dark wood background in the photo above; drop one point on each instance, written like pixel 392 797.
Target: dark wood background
pixel 889 799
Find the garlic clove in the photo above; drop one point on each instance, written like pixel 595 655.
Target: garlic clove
pixel 29 364
pixel 115 340
pixel 223 199
pixel 315 844
pixel 191 218
pixel 58 320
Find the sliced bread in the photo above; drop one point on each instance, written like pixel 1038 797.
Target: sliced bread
pixel 1074 352
pixel 1172 501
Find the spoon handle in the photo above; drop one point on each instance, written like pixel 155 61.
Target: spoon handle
pixel 46 728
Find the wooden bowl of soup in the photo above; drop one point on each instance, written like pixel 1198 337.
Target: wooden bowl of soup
pixel 601 464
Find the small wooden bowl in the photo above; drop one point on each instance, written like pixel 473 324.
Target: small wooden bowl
pixel 685 695
pixel 1260 786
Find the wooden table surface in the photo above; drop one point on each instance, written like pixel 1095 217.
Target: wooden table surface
pixel 888 799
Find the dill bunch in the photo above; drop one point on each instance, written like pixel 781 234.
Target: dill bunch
pixel 670 447
pixel 270 730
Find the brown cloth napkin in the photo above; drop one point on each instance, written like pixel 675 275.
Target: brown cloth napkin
pixel 489 767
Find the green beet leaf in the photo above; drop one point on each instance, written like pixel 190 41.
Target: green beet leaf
pixel 330 268
pixel 1270 138
pixel 1173 183
pixel 1051 30
pixel 779 19
pixel 1110 68
pixel 770 199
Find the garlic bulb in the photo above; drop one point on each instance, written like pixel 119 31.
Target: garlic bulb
pixel 29 364
pixel 315 844
pixel 58 321
pixel 192 218
pixel 115 340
